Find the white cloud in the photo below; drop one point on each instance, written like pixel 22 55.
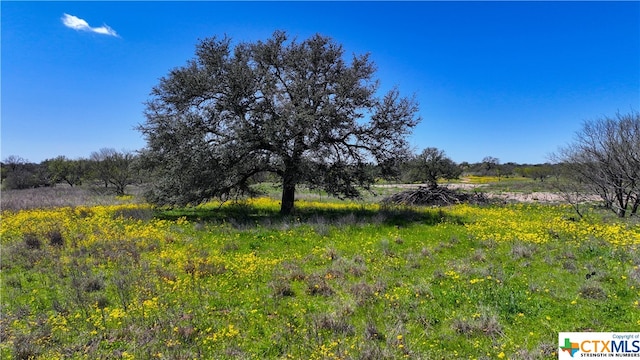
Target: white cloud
pixel 74 22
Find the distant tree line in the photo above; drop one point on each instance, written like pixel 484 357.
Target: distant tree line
pixel 107 169
pixel 432 165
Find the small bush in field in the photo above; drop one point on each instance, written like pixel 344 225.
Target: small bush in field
pixel 32 241
pixel 318 285
pixel 94 283
pixel 25 347
pixel 371 332
pixel 55 238
pixel 593 291
pixel 463 327
pixel 522 251
pixel 335 323
pixel 490 325
pixel 281 288
pixel 634 274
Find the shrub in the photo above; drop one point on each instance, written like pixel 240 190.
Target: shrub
pixel 634 274
pixel 94 283
pixel 463 327
pixel 25 347
pixel 317 285
pixel 281 289
pixel 32 241
pixel 55 238
pixel 335 323
pixel 371 332
pixel 490 326
pixel 522 251
pixel 593 291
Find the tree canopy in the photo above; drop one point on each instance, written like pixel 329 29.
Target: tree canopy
pixel 430 165
pixel 298 110
pixel 113 168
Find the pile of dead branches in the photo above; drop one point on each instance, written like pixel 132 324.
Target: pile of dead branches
pixel 434 196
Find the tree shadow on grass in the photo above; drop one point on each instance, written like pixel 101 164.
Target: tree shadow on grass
pixel 243 215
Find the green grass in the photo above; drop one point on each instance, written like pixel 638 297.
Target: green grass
pixel 335 280
pixel 377 192
pixel 521 185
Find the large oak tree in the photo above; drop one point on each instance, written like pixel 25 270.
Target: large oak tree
pixel 299 110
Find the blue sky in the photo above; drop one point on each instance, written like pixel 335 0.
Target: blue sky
pixel 512 80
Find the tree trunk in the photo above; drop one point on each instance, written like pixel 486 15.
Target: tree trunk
pixel 636 204
pixel 288 190
pixel 290 178
pixel 622 204
pixel 288 197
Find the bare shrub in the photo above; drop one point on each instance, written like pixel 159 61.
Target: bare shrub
pixel 522 251
pixel 605 159
pixel 332 253
pixel 318 285
pixel 334 323
pixel 55 238
pixel 490 326
pixel 165 274
pixel 362 292
pixel 385 247
pixel 102 302
pixel 634 274
pixel 32 241
pixel 463 327
pixel 289 271
pixel 425 252
pixel 487 324
pixel 26 253
pixel 343 266
pixel 30 346
pixel 123 282
pixel 373 351
pixel 230 246
pixel 25 347
pixel 422 288
pixel 281 289
pixel 122 251
pixel 592 291
pixel 479 256
pixel 94 283
pixel 570 266
pixel 203 267
pixel 13 281
pixel 371 332
pixel 187 333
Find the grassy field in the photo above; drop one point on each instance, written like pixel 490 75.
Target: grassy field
pixel 338 280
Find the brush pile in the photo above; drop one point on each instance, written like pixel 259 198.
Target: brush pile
pixel 434 196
